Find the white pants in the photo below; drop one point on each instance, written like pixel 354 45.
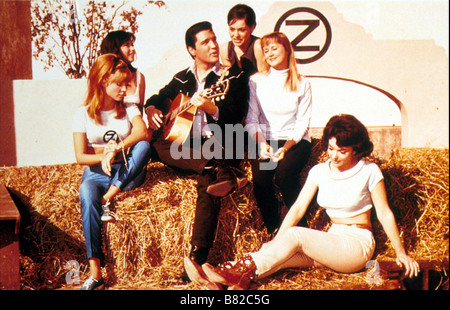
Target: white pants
pixel 343 248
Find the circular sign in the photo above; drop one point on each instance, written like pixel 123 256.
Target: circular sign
pixel 311 32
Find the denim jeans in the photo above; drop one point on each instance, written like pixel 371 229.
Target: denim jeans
pixel 95 183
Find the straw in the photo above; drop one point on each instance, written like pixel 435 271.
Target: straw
pixel 144 249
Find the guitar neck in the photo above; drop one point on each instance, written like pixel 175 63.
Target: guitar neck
pixel 216 90
pixel 180 109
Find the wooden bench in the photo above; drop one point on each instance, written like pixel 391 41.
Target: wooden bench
pixel 9 242
pixel 433 275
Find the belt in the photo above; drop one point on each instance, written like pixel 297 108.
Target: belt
pixel 361 226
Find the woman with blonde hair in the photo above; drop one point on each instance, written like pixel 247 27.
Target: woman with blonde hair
pixel 278 120
pixel 110 139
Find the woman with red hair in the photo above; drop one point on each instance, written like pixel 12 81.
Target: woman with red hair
pixel 110 139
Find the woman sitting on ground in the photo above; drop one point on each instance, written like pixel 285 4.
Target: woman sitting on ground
pixel 347 186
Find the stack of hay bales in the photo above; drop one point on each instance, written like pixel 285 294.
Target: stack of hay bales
pixel 144 249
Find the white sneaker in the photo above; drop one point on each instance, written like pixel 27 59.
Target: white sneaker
pixel 107 215
pixel 92 284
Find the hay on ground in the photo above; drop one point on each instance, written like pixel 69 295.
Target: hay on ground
pixel 147 244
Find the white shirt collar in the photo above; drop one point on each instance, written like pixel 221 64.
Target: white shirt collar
pixel 215 69
pixel 347 173
pixel 279 72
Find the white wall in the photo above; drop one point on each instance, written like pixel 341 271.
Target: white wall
pixel 43 117
pixel 398 47
pixel 44 111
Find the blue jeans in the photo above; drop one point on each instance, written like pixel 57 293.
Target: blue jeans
pixel 95 183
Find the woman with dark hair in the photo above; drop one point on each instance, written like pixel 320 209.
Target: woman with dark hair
pixel 350 133
pixel 347 186
pixel 244 49
pixel 121 43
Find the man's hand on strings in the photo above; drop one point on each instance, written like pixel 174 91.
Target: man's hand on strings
pixel 204 103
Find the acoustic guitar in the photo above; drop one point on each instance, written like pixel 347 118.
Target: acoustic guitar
pixel 177 124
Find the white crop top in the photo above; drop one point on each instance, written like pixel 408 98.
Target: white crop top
pixel 345 194
pixel 95 132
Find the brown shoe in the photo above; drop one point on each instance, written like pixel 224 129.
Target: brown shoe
pixel 228 179
pixel 196 275
pixel 237 276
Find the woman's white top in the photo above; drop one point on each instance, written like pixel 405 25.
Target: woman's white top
pixel 134 98
pixel 276 112
pixel 347 193
pixel 95 132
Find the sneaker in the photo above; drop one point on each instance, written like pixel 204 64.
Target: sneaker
pixel 107 215
pixel 92 284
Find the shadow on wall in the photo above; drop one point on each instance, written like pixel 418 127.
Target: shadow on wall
pixel 375 108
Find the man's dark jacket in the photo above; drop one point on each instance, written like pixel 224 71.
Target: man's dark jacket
pixel 232 109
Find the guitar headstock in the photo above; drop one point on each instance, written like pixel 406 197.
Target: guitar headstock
pixel 217 90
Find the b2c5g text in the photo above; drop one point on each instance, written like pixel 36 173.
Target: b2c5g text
pixel 246 299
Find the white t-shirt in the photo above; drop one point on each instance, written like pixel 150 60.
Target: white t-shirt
pixel 345 194
pixel 276 112
pixel 95 132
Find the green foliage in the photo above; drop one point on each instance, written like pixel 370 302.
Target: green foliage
pixel 73 46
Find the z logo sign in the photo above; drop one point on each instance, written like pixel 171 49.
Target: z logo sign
pixel 311 30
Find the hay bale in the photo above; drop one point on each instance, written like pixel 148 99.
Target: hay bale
pixel 51 232
pixel 418 193
pixel 147 244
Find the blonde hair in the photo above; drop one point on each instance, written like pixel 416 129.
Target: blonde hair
pixel 293 76
pixel 107 69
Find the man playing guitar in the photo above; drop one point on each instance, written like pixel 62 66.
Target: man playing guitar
pixel 219 176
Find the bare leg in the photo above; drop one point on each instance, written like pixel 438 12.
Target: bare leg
pixel 94 268
pixel 110 194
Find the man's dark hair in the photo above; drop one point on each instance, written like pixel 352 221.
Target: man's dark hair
pixel 193 30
